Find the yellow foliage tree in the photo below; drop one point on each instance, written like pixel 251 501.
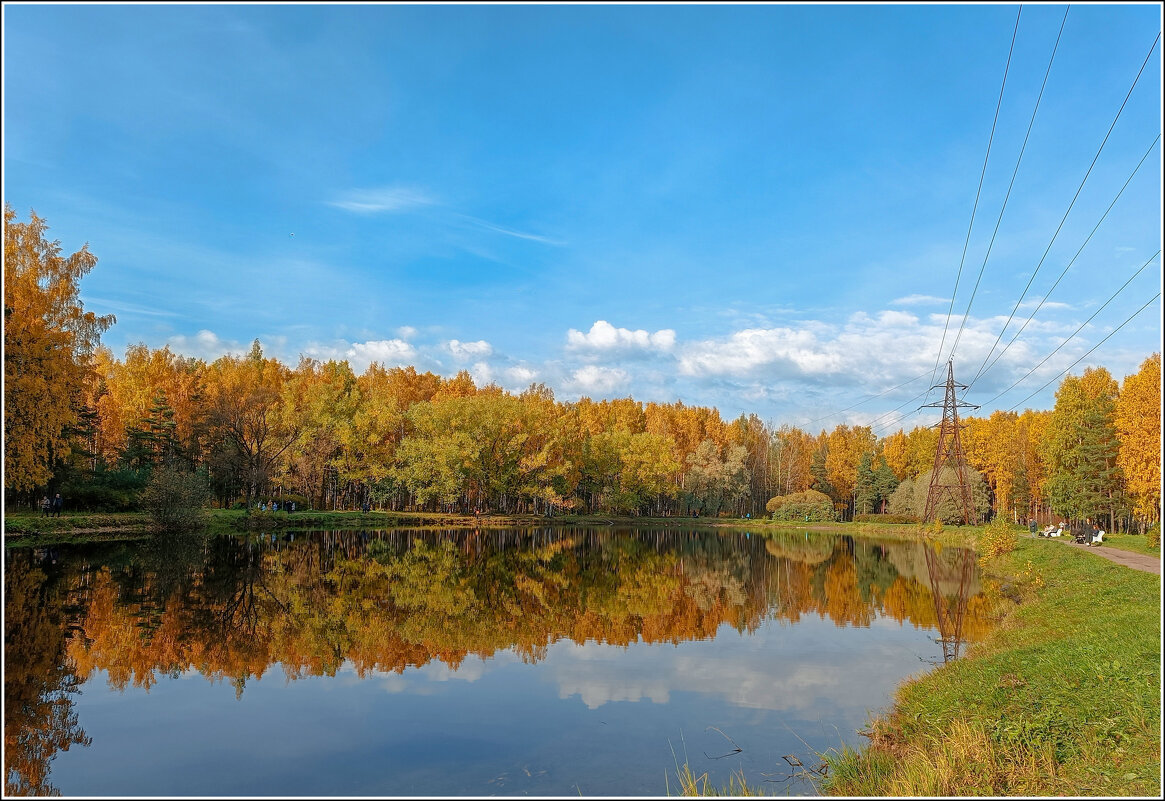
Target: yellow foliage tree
pixel 1138 425
pixel 49 341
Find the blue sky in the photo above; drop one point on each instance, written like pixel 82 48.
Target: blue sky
pixel 761 208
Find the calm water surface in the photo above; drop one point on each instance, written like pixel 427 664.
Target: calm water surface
pixel 542 662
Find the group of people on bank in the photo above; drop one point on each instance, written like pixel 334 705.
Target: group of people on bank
pixel 1088 534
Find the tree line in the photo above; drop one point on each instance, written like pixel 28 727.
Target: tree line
pixel 80 421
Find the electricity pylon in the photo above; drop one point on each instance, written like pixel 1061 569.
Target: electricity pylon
pixel 950 454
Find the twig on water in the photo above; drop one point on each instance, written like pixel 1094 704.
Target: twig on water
pixel 736 749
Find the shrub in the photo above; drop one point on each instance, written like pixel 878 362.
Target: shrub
pixel 1153 535
pixel 999 537
pixel 176 499
pixel 809 505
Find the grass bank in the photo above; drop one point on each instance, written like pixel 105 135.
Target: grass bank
pixel 34 528
pixel 1137 543
pixel 1063 698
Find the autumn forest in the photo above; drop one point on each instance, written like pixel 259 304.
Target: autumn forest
pixel 95 427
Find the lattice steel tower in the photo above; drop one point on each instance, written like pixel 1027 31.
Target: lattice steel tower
pixel 950 454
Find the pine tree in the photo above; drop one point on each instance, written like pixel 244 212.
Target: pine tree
pixel 866 494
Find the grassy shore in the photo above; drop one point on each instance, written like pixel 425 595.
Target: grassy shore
pixel 1063 698
pixel 80 526
pixel 1137 543
pixel 33 527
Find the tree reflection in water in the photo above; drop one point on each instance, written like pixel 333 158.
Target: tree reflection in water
pixel 231 608
pixel 39 719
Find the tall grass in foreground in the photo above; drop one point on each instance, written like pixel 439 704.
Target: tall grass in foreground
pixel 1061 699
pixel 693 785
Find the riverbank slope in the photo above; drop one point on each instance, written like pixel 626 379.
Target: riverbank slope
pixel 1063 698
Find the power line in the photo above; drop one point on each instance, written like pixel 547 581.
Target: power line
pixel 978 191
pixel 1082 358
pixel 1078 330
pixel 983 368
pixel 887 425
pixel 867 400
pixel 1007 196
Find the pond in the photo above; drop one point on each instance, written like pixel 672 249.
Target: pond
pixel 556 661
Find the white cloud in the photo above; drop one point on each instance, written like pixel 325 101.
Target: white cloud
pixel 206 345
pixel 918 300
pixel 753 348
pixel 1043 304
pixel 406 332
pixel 469 350
pixel 593 378
pixel 386 351
pixel 604 336
pixel 523 376
pixel 514 379
pixel 389 352
pixel 392 199
pixel 483 374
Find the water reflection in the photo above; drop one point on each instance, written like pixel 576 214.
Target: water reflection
pixel 378 604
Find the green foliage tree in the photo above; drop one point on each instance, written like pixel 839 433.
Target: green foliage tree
pixel 865 488
pixel 1080 447
pixel 885 483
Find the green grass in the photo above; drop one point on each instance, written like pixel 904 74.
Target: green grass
pixel 1061 699
pixel 34 528
pixel 1137 543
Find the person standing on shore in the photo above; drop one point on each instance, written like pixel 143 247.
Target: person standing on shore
pixel 57 504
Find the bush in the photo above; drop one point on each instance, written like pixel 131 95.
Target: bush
pixel 809 505
pixel 176 499
pixel 1153 536
pixel 999 537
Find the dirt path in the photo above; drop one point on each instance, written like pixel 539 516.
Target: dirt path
pixel 1137 561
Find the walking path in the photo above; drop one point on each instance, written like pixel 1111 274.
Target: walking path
pixel 1137 561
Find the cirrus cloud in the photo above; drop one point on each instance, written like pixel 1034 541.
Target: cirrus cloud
pixel 390 199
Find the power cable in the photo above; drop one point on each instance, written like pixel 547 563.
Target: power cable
pixel 1078 330
pixel 884 425
pixel 1007 196
pixel 983 368
pixel 1082 358
pixel 859 403
pixel 978 192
